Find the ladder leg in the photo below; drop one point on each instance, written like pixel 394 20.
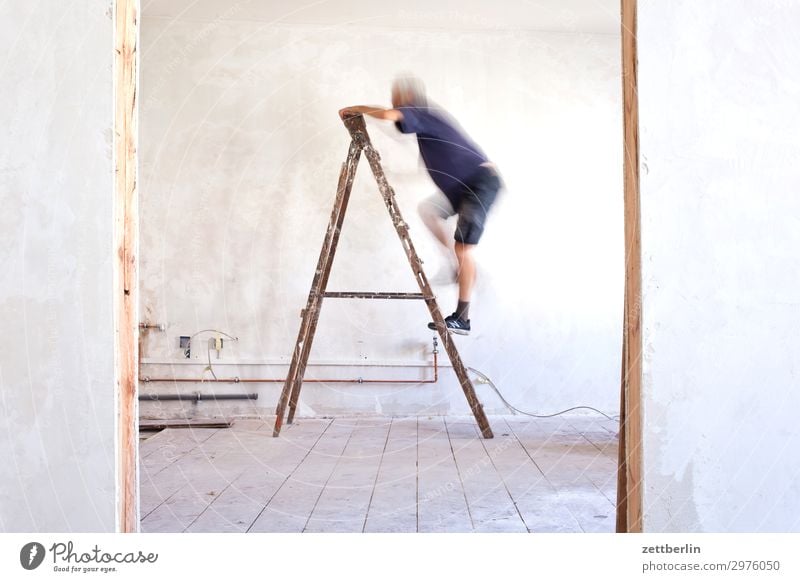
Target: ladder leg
pixel 305 337
pixel 297 382
pixel 416 265
pixel 460 370
pixel 302 338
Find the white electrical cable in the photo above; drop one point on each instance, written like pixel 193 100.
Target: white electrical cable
pixel 229 336
pixel 210 368
pixel 506 402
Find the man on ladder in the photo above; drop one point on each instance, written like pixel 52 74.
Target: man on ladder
pixel 469 183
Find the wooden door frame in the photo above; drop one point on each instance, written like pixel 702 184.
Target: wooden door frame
pixel 126 292
pixel 126 249
pixel 629 470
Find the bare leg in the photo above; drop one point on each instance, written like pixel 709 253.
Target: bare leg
pixel 434 217
pixel 434 212
pixel 466 270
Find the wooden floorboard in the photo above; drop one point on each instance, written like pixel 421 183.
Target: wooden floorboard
pixel 537 499
pixel 194 481
pixel 565 458
pixel 343 504
pixel 491 507
pixel 442 503
pixel 426 474
pixel 603 469
pixel 393 507
pixel 289 510
pixel 184 423
pixel 161 473
pixel 272 462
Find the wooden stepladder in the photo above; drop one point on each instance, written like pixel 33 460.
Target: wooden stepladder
pixel 310 315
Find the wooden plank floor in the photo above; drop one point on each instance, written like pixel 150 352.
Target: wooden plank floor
pixel 426 474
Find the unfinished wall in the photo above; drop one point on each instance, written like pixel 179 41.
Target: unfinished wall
pixel 719 87
pixel 241 147
pixel 56 368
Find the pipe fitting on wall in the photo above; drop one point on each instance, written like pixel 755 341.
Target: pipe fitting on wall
pixel 158 326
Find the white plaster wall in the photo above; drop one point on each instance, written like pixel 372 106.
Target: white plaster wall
pixel 719 87
pixel 241 149
pixel 56 178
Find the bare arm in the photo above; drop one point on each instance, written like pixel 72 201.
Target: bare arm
pixel 372 111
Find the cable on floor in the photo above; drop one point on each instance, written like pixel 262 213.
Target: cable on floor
pixel 515 409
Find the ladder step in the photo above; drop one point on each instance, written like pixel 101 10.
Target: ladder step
pixel 371 295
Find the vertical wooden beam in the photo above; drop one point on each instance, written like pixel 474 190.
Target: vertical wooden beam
pixel 629 491
pixel 126 234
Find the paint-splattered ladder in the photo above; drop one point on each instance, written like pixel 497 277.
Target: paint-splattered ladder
pixel 310 315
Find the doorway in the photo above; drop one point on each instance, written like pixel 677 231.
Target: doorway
pixel 128 297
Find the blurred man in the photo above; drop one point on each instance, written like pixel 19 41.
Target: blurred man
pixel 469 183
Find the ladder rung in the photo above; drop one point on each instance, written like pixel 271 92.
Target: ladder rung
pixel 371 295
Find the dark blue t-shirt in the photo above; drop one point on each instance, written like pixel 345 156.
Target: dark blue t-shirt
pixel 450 156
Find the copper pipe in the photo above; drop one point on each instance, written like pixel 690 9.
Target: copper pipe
pixel 434 380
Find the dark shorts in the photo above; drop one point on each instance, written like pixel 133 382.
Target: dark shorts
pixel 472 202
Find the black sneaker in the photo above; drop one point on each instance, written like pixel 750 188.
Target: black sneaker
pixel 454 324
